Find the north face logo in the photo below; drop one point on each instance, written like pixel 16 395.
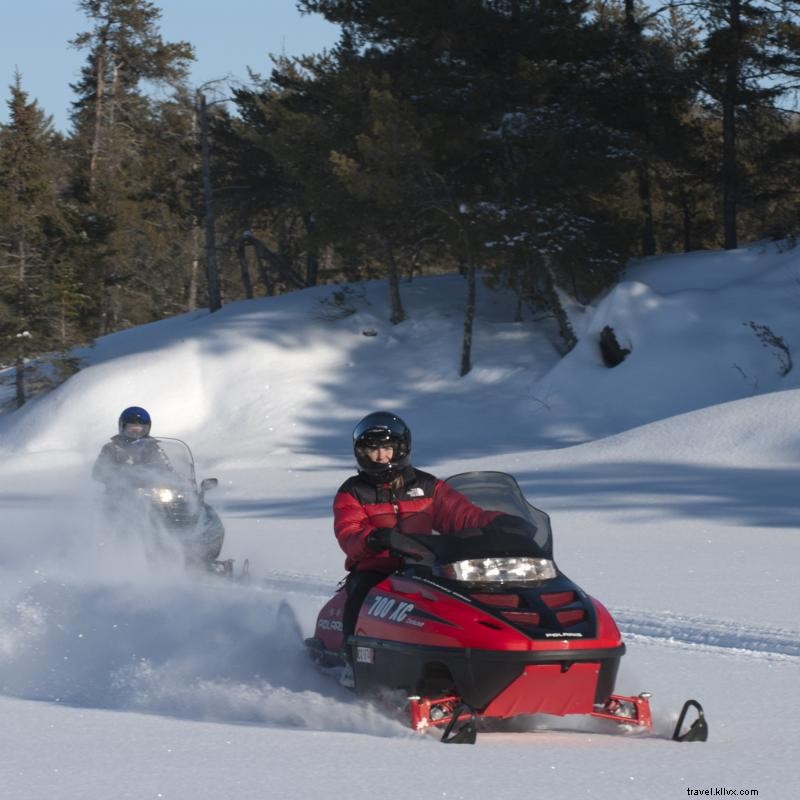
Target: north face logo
pixel 415 492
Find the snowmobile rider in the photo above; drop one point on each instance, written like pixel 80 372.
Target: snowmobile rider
pixel 130 449
pixel 388 495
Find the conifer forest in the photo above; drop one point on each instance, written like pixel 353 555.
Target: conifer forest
pixel 536 144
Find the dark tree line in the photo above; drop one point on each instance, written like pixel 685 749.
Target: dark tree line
pixel 544 142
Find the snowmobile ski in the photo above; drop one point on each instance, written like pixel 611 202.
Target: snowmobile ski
pixel 697 731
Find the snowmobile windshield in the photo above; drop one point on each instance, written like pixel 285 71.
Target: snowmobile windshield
pixel 157 463
pixel 499 491
pixel 495 491
pixel 179 458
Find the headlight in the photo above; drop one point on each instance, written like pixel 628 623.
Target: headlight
pixel 500 570
pixel 164 495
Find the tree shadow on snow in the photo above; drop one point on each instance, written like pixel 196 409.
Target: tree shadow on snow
pixel 742 496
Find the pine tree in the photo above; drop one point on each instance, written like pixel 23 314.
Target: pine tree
pixel 122 155
pixel 749 63
pixel 279 150
pixel 478 76
pixel 33 231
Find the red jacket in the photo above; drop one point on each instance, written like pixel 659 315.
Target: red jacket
pixel 426 504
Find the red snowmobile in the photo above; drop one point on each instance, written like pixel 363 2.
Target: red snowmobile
pixel 486 627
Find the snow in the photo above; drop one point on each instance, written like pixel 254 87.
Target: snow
pixel 670 480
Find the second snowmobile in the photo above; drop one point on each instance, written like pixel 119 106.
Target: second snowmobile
pixel 162 502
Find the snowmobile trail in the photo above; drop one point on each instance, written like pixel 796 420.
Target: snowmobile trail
pixel 296 583
pixel 665 627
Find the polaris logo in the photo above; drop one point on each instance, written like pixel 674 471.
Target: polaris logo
pixel 564 635
pixel 389 609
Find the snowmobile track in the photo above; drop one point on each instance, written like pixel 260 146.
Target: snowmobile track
pixel 766 642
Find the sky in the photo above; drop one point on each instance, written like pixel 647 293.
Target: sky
pixel 228 38
pixel 671 482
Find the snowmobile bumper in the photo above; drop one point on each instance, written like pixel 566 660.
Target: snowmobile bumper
pixel 498 684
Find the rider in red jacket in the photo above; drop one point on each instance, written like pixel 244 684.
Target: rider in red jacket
pixel 386 495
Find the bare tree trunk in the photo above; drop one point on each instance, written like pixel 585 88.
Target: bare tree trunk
pixel 62 323
pixel 194 269
pixel 19 378
pixel 312 260
pixel 94 167
pixel 312 268
pixel 245 270
pixel 518 291
pixel 111 111
pixel 22 269
pixel 730 179
pixel 212 271
pixel 630 17
pixel 469 317
pixel 687 222
pixel 19 367
pixel 729 176
pixel 554 303
pixel 646 199
pixel 398 313
pixel 99 101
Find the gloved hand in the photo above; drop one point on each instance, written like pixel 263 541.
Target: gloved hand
pixel 380 539
pixel 411 550
pixel 510 524
pixel 467 533
pixel 398 543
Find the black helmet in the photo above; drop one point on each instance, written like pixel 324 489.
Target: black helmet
pixel 134 416
pixel 382 427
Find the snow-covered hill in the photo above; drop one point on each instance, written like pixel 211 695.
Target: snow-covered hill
pixel 670 480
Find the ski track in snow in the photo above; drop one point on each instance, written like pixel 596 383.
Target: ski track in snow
pixel 699 632
pixel 643 627
pixel 297 583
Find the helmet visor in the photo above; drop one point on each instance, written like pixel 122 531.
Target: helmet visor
pixel 389 445
pixel 379 452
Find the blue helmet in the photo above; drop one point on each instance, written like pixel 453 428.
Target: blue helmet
pixel 134 415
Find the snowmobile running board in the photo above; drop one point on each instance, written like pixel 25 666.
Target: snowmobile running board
pixel 460 721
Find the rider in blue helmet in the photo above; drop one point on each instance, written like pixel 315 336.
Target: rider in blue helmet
pixel 164 508
pixel 134 423
pixel 131 447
